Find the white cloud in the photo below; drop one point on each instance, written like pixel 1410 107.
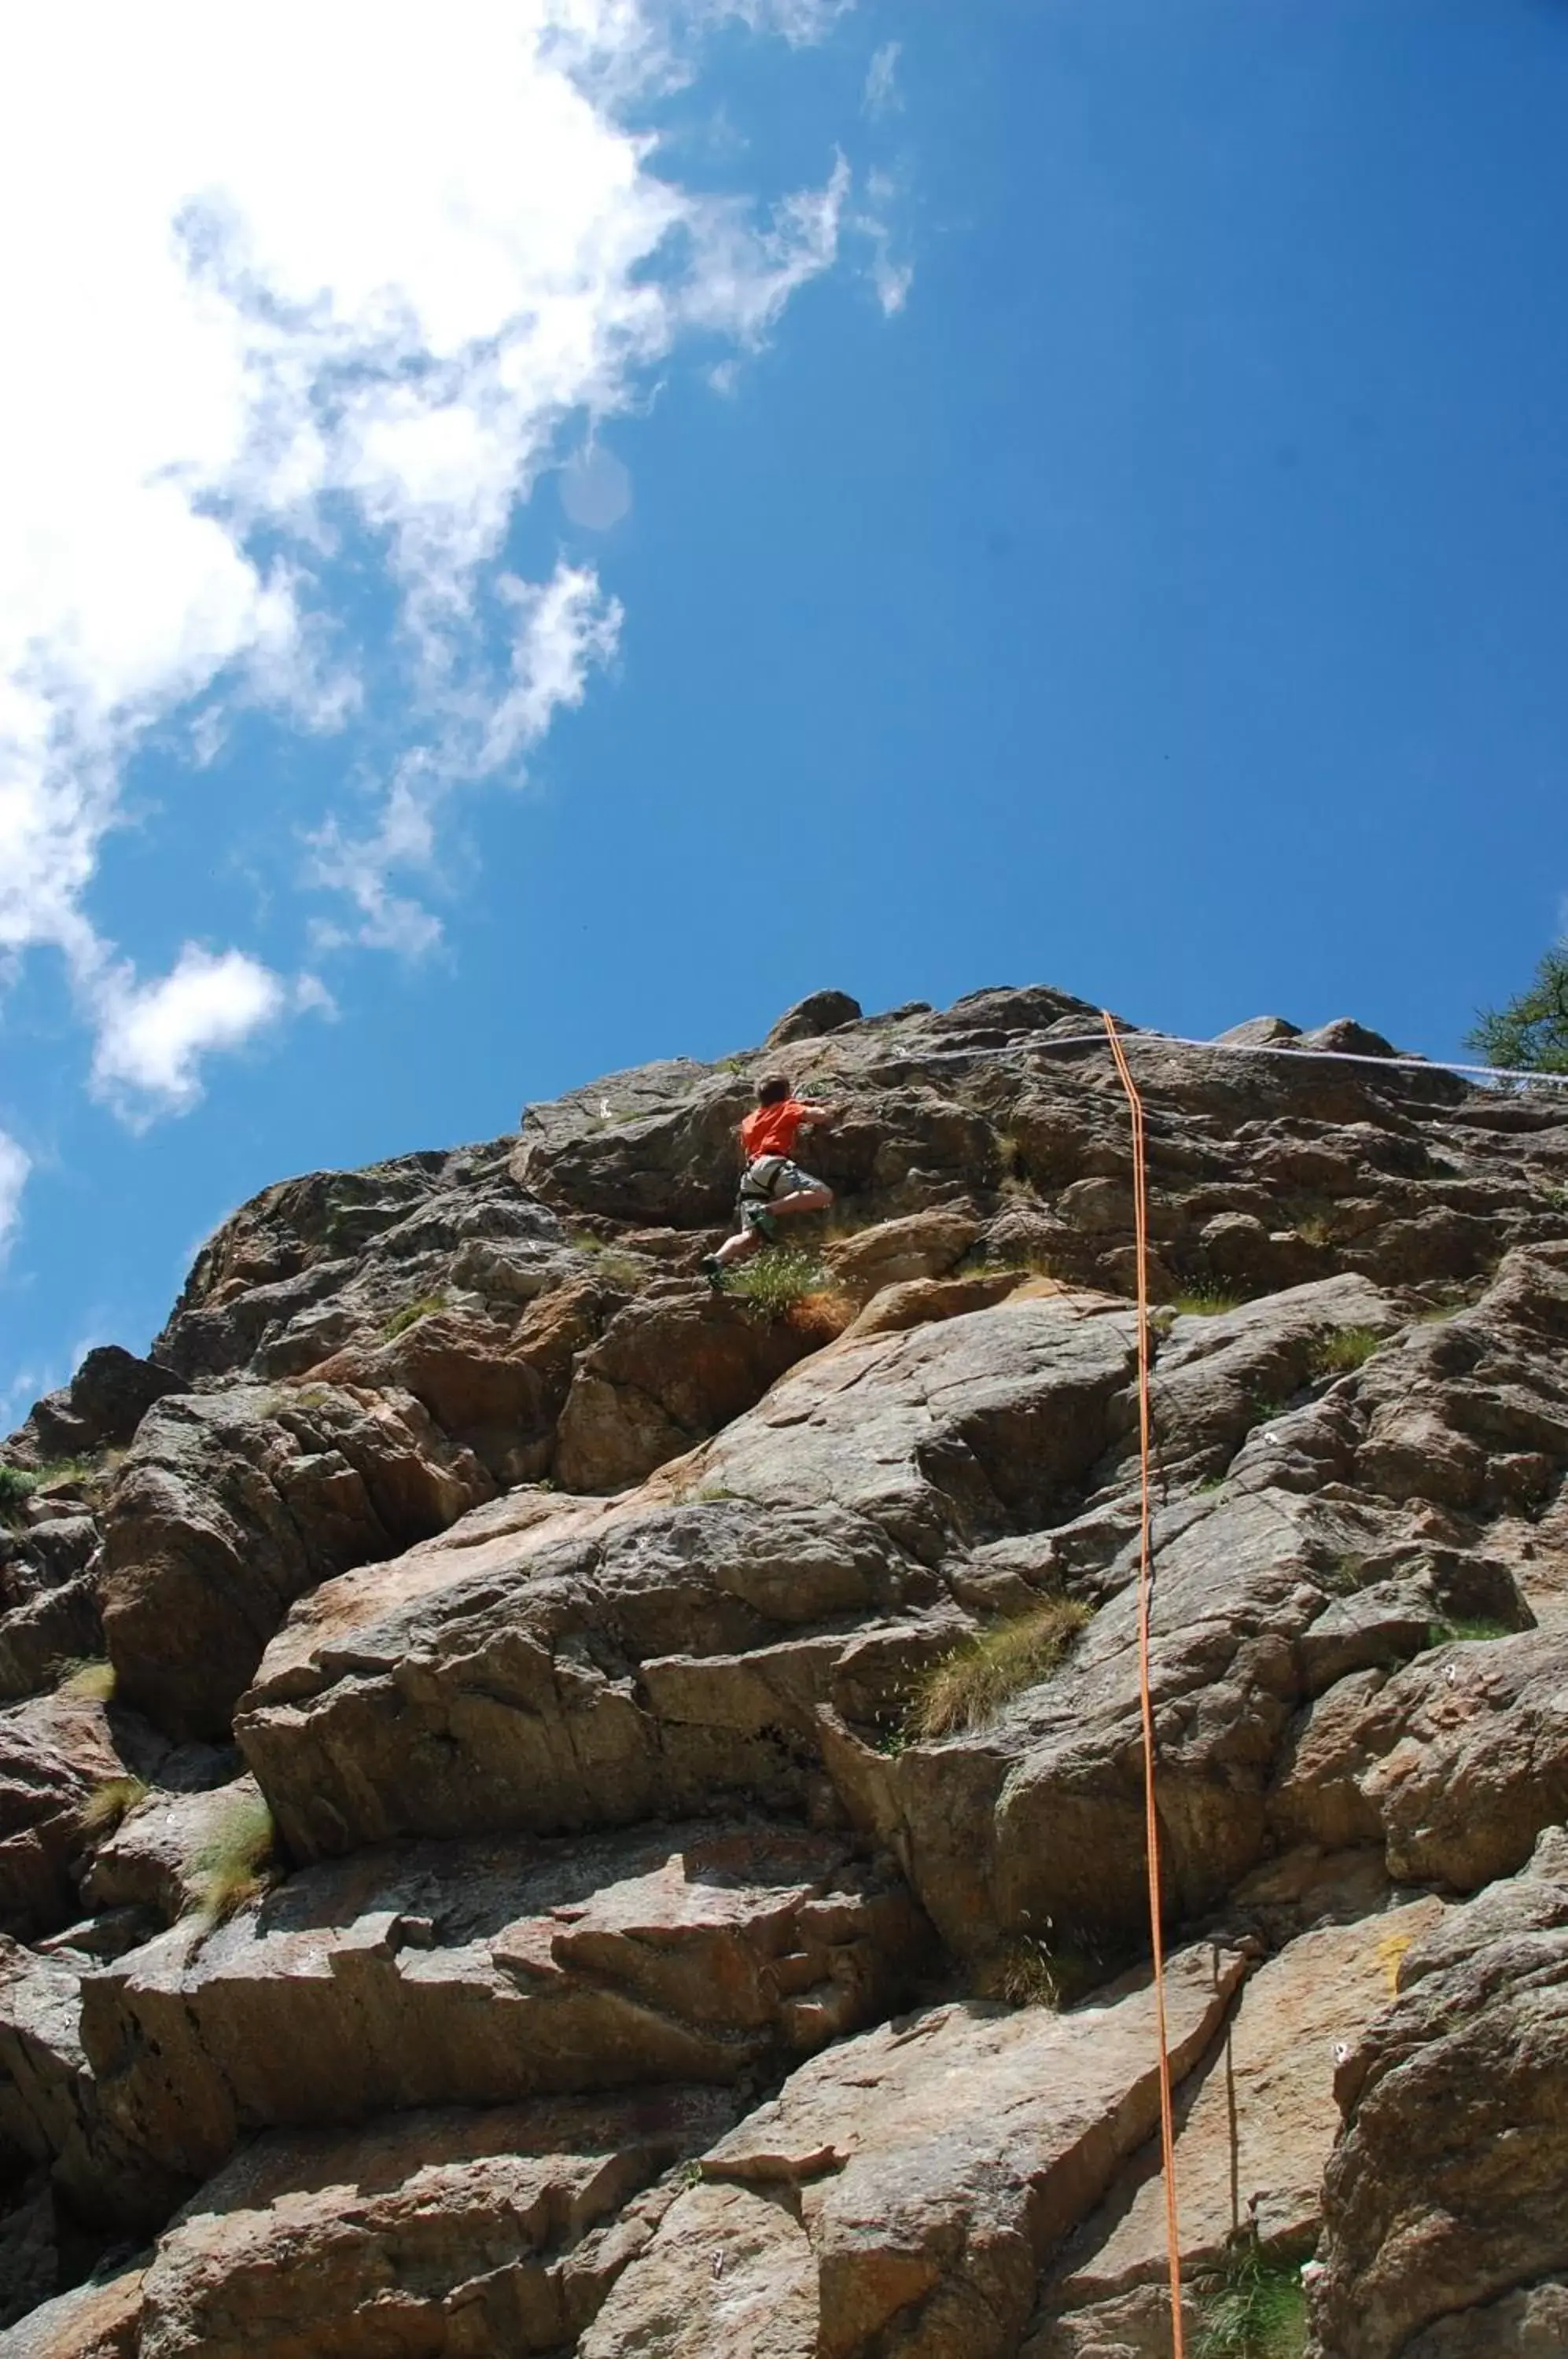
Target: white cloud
pixel 559 630
pixel 152 1036
pixel 890 277
pixel 799 20
pixel 16 1397
pixel 276 280
pixel 563 625
pixel 14 1166
pixel 882 94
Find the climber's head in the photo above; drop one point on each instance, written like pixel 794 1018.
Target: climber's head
pixel 772 1089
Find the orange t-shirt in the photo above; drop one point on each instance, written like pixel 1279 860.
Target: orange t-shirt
pixel 771 1130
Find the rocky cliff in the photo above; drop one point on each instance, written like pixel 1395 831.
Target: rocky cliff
pixel 547 1809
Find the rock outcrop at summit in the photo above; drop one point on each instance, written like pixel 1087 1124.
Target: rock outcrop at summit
pixel 547 1808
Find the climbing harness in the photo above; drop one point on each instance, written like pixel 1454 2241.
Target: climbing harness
pixel 760 1183
pixel 761 1177
pixel 1145 1587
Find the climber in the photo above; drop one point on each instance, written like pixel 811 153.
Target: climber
pixel 773 1186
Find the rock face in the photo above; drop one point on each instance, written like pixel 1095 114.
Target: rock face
pixel 229 1504
pixel 497 2231
pixel 55 1753
pixel 100 1408
pixel 1444 2194
pixel 602 1816
pixel 487 1973
pixel 1256 2125
pixel 899 2195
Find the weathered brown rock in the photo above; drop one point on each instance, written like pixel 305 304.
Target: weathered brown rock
pixel 100 2320
pixel 1445 2194
pixel 1456 1764
pixel 984 1423
pixel 666 1152
pixel 494 1383
pixel 821 1011
pixel 899 2196
pixel 100 1407
pixel 50 2110
pixel 1038 1818
pixel 1363 1462
pixel 48 1601
pixel 1256 2124
pixel 332 1258
pixel 158 1857
pixel 229 1504
pixel 483 1976
pixel 916 1300
pixel 436 2233
pixel 55 1753
pixel 1259 1031
pixel 584 1672
pixel 665 1375
pixel 893 1253
pixel 1528 2325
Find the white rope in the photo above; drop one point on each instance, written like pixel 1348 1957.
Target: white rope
pixel 1269 1049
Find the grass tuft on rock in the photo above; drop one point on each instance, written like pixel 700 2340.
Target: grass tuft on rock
pixel 972 1685
pixel 108 1803
pixel 777 1278
pixel 1252 2307
pixel 18 1483
pixel 89 1678
pixel 411 1315
pixel 612 1263
pixel 1347 1349
pixel 1205 1301
pixel 1025 1973
pixel 17 1487
pixel 233 1866
pixel 1471 1629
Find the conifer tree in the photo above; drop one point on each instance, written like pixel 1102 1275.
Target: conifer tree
pixel 1530 1031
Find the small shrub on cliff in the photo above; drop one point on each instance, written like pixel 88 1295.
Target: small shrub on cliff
pixel 972 1685
pixel 17 1487
pixel 1206 1301
pixel 1253 2307
pixel 108 1803
pixel 777 1278
pixel 615 1267
pixel 18 1483
pixel 1009 1157
pixel 231 1867
pixel 1034 1974
pixel 87 1678
pixel 411 1315
pixel 1473 1628
pixel 1346 1349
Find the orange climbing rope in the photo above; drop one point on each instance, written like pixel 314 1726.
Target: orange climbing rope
pixel 1145 1586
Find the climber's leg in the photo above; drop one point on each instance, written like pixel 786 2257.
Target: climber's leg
pixel 748 1237
pixel 799 1191
pixel 815 1199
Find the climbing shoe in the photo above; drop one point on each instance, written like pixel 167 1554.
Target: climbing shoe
pixel 712 1269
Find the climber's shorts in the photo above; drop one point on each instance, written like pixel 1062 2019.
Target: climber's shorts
pixel 769 1176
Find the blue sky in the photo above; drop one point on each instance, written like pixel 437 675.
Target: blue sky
pixel 1074 491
